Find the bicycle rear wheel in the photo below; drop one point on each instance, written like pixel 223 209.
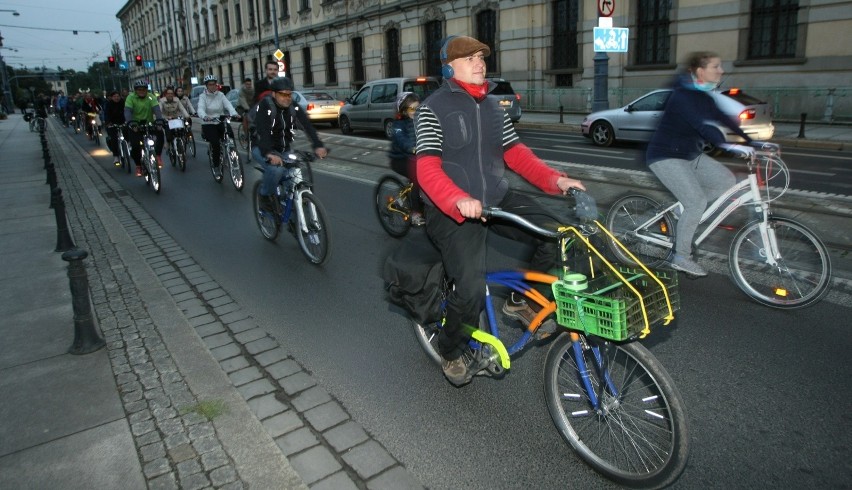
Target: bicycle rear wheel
pixel 235 167
pixel 624 219
pixel 393 207
pixel 269 223
pixel 96 136
pixel 313 235
pixel 637 435
pixel 803 271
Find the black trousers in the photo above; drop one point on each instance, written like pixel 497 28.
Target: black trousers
pixel 213 134
pixel 136 144
pixel 463 251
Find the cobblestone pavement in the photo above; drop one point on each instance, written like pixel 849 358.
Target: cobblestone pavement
pixel 177 442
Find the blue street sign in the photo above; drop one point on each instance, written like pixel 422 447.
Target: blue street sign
pixel 611 40
pixel 123 65
pixel 148 63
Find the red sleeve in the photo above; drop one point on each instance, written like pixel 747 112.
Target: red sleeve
pixel 440 189
pixel 523 161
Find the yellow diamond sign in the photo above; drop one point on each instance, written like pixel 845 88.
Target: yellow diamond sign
pixel 278 54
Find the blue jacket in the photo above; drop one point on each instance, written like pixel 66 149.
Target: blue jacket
pixel 682 131
pixel 404 139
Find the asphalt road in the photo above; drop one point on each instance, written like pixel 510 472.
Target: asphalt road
pixel 767 391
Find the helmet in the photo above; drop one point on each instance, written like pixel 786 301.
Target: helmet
pixel 140 84
pixel 210 78
pixel 281 83
pixel 404 100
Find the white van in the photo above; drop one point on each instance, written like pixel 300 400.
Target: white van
pixel 372 107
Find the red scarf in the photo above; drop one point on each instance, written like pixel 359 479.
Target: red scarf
pixel 478 92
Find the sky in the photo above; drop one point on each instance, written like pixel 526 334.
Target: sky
pixel 41 34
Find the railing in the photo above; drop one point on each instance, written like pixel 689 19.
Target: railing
pixel 787 103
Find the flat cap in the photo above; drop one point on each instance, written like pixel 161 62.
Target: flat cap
pixel 464 46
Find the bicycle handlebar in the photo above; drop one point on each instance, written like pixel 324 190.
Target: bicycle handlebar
pixel 586 210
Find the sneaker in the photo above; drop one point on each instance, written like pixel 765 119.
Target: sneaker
pixel 685 264
pixel 139 170
pixel 517 307
pixel 455 371
pixel 417 219
pixel 159 161
pixel 117 162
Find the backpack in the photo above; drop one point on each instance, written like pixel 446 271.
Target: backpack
pixel 415 280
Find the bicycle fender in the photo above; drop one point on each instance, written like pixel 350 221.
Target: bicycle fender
pixel 486 338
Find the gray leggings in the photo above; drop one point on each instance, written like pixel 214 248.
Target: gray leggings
pixel 695 183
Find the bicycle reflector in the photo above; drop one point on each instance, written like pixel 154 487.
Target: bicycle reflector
pixel 781 292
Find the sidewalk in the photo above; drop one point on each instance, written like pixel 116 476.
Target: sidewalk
pixel 821 136
pixel 188 393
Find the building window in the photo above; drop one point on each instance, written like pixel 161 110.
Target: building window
pixel 242 71
pixel 486 32
pixel 306 64
pixel 358 60
pixel 238 18
pixel 227 19
pixel 563 53
pixel 330 70
pixel 266 14
pixel 392 53
pixel 304 5
pixel 288 67
pixel 285 9
pixel 773 30
pixel 251 14
pixel 433 33
pixel 652 32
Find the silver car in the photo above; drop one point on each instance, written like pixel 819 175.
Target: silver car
pixel 638 120
pixel 508 99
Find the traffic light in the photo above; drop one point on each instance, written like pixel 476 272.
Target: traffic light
pixel 111 61
pixel 138 60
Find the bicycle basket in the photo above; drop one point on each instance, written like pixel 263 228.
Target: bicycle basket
pixel 608 309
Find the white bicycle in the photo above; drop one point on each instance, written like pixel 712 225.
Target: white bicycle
pixel 774 260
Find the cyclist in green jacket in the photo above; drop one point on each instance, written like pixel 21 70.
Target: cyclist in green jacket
pixel 142 108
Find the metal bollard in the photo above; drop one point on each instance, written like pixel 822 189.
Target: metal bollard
pixel 561 114
pixel 802 125
pixel 86 336
pixel 51 178
pixel 63 236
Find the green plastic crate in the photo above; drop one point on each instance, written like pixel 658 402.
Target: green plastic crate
pixel 609 309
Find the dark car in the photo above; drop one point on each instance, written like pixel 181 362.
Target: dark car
pixel 638 120
pixel 510 101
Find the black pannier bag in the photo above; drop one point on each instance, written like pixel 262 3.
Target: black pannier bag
pixel 414 277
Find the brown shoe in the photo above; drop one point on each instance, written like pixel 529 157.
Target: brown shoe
pixel 456 371
pixel 517 307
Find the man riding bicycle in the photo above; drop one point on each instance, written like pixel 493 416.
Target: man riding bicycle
pixel 272 129
pixel 211 104
pixel 464 141
pixel 142 108
pixel 114 118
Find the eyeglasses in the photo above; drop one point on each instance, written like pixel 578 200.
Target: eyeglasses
pixel 288 95
pixel 411 110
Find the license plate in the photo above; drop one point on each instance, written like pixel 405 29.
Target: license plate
pixel 329 106
pixel 505 102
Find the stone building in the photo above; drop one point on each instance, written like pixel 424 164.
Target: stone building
pixel 786 49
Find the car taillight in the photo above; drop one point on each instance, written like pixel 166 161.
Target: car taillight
pixel 310 106
pixel 518 97
pixel 747 114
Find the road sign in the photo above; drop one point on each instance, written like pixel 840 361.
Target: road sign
pixel 148 63
pixel 606 8
pixel 123 65
pixel 278 54
pixel 611 40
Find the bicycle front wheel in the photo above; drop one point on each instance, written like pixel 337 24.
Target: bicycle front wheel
pixel 153 173
pixel 215 167
pixel 652 243
pixel 802 271
pixel 124 152
pixel 190 144
pixel 242 136
pixel 637 433
pixel 235 167
pixel 393 207
pixel 313 235
pixel 180 151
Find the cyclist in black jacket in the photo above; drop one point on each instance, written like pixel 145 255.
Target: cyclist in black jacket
pixel 272 129
pixel 114 117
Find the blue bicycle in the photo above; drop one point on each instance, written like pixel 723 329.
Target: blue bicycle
pixel 608 396
pixel 296 207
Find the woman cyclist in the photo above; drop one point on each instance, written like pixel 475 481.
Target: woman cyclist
pixel 211 104
pixel 171 108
